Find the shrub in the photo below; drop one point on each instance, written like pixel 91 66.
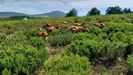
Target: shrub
pixel 68 65
pixel 123 37
pixel 22 55
pixel 84 47
pixel 95 30
pixel 17 37
pixel 22 59
pixel 102 36
pixel 118 27
pixel 129 40
pixel 60 38
pixel 6 72
pixel 21 38
pixel 82 36
pixel 126 38
pixel 92 48
pixel 115 49
pixel 29 33
pixel 99 37
pixel 130 62
pixel 2 37
pixel 37 42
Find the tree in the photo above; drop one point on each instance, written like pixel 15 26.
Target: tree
pixel 126 11
pixel 72 12
pixel 94 11
pixel 114 10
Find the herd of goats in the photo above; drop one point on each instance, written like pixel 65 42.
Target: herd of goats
pixel 75 28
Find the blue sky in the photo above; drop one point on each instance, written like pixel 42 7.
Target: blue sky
pixel 43 6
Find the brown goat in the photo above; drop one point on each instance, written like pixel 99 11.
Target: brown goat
pixel 99 25
pixel 76 29
pixel 50 28
pixel 79 24
pixel 42 34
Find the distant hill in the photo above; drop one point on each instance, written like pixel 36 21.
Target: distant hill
pixel 52 14
pixel 9 14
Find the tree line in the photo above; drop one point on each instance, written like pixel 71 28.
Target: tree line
pixel 95 11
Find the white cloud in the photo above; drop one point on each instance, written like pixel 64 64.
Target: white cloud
pixel 40 6
pixel 97 3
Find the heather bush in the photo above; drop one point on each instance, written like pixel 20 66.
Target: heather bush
pixel 60 38
pixel 92 48
pixel 118 27
pixel 130 62
pixel 22 58
pixel 22 55
pixel 2 37
pixel 68 65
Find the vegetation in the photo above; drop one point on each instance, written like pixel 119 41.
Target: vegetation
pixel 72 12
pixel 114 10
pixel 93 49
pixel 126 11
pixel 60 38
pixel 16 18
pixel 130 62
pixel 68 65
pixel 94 11
pixel 97 51
pixel 22 55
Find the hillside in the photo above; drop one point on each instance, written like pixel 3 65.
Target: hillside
pixel 52 14
pixel 89 45
pixel 9 14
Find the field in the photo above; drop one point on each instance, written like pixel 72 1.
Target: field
pixel 107 51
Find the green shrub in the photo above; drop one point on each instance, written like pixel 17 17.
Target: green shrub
pixel 84 47
pixel 29 33
pixel 130 42
pixel 2 37
pixel 92 36
pixel 68 65
pixel 37 42
pixel 118 27
pixel 83 36
pixel 126 38
pixel 115 49
pixel 22 58
pixel 6 72
pixel 130 62
pixel 118 36
pixel 95 30
pixel 102 36
pixel 60 38
pixel 22 55
pixel 21 38
pixel 92 48
pixel 17 37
